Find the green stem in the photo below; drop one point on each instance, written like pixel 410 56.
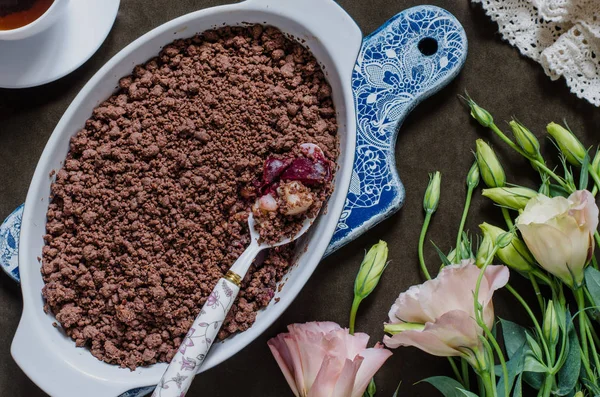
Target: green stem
pixel 592 346
pixel 456 372
pixel 490 372
pixel 536 324
pixel 538 293
pixel 595 190
pixel 500 355
pixel 551 174
pixel 547 387
pixel 465 373
pixel 507 218
pixel 483 325
pixel 463 219
pixel 579 298
pixel 507 140
pixel 421 242
pixel 597 237
pixel 353 311
pixel 595 177
pixel 534 161
pixel 543 277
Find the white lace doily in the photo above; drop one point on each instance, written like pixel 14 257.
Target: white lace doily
pixel 562 35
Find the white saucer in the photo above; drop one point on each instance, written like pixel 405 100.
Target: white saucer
pixel 61 49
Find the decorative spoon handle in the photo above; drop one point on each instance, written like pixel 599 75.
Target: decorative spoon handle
pixel 191 353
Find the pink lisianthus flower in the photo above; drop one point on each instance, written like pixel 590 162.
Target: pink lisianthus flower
pixel 438 316
pixel 321 359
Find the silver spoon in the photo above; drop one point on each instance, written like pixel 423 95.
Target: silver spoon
pixel 193 350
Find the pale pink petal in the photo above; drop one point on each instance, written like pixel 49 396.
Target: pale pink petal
pixel 345 383
pixel 452 289
pixel 407 308
pixel 452 331
pixel 352 344
pixel 496 277
pixel 283 357
pixel 297 365
pixel 584 209
pixel 373 360
pixel 550 247
pixel 327 377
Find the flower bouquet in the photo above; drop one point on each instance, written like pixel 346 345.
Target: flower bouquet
pixel 549 238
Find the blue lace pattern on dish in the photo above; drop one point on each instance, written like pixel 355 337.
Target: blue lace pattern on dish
pixel 391 76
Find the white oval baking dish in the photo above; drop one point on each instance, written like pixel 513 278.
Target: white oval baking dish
pixel 48 356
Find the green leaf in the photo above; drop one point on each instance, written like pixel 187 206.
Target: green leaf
pixel 534 379
pixel 443 257
pixel 371 389
pixel 558 191
pixel 583 176
pixel 518 392
pixel 467 393
pixel 514 336
pixel 514 367
pixel 533 365
pixel 534 346
pixel 446 385
pixel 569 372
pixel 592 282
pixel 397 389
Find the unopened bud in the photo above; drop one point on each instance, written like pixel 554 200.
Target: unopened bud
pixel 473 176
pixel 394 329
pixel 550 325
pixel 514 255
pixel 482 116
pixel 515 198
pixel 485 248
pixel 568 143
pixel 596 162
pixel 526 140
pixel 432 194
pixel 371 269
pixel 490 168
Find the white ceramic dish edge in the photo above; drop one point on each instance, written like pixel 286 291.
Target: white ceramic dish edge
pixel 46 355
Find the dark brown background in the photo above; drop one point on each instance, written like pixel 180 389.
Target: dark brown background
pixel 438 135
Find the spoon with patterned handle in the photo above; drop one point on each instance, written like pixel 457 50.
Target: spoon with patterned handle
pixel 195 346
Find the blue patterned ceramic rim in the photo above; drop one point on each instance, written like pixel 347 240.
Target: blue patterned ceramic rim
pixel 406 60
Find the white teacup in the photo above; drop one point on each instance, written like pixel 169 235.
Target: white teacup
pixel 40 24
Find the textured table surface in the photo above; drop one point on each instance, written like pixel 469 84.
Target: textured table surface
pixel 438 135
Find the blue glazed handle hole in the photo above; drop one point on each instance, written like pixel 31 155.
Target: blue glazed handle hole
pixel 428 46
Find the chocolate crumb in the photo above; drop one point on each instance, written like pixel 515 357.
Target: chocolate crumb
pixel 150 207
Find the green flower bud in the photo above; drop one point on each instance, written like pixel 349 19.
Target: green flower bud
pixel 515 198
pixel 371 269
pixel 473 176
pixel 482 116
pixel 514 255
pixel 432 194
pixel 568 143
pixel 503 240
pixel 579 394
pixel 485 248
pixel 596 162
pixel 491 171
pixel 371 389
pixel 526 140
pixel 550 325
pixel 394 329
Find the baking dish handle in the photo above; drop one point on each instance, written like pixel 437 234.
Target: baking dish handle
pixel 327 21
pixel 409 58
pixel 36 354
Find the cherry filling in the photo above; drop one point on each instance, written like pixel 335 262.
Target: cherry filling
pixel 312 170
